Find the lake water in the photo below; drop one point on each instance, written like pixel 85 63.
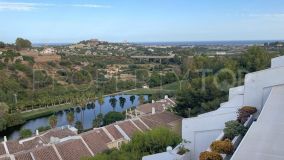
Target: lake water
pixel 87 116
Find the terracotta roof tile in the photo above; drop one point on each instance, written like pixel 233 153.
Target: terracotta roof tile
pixel 73 150
pixel 34 143
pixel 96 140
pixel 2 149
pixel 159 106
pixel 164 117
pixel 14 147
pixel 128 128
pixel 140 125
pixel 59 133
pixel 150 123
pixel 5 158
pixel 114 132
pixel 45 153
pixel 23 156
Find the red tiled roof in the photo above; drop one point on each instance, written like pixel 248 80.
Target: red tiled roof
pixel 114 132
pixel 96 140
pixel 159 106
pixel 34 143
pixel 128 128
pixel 5 158
pixel 73 150
pixel 140 125
pixel 164 117
pixel 59 133
pixel 150 123
pixel 45 153
pixel 2 149
pixel 14 147
pixel 23 156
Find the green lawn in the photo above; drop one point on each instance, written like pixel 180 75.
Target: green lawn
pixel 44 112
pixel 168 88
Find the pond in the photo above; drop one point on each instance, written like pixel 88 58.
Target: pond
pixel 86 115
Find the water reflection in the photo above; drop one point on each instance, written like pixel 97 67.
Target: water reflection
pixel 85 114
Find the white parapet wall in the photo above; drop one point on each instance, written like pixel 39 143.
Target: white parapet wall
pixel 201 131
pixel 236 91
pixel 258 85
pixel 277 62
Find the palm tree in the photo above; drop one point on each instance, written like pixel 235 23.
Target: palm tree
pixel 82 104
pixel 113 102
pixel 52 120
pixel 132 99
pixel 141 99
pixel 101 101
pixel 122 102
pixel 70 118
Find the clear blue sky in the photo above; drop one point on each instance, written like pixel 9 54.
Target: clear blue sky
pixel 141 20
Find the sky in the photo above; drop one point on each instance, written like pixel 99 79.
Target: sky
pixel 68 21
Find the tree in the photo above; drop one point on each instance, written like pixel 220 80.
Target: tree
pixel 52 120
pixel 141 99
pixel 23 43
pixel 122 101
pixel 113 102
pixel 142 144
pixel 132 99
pixel 112 117
pixel 70 118
pixel 2 44
pixel 3 123
pixel 255 59
pixel 79 126
pixel 101 101
pixel 98 121
pixel 155 80
pixel 25 133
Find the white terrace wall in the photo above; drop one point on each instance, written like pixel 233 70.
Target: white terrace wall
pixel 258 86
pixel 236 91
pixel 201 131
pixel 277 62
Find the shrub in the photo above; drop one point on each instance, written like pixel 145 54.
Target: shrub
pixel 245 112
pixel 25 133
pixel 79 126
pixel 234 128
pixel 210 156
pixel 182 150
pixel 224 147
pixel 43 128
pixel 112 117
pixel 249 109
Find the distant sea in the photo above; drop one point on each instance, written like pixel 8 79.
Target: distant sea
pixel 184 43
pixel 208 43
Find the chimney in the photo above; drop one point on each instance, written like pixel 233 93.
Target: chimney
pixel 166 97
pixel 153 110
pixel 135 113
pixel 153 101
pixel 5 139
pixel 37 133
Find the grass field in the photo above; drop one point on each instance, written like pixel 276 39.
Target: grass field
pixel 168 88
pixel 44 112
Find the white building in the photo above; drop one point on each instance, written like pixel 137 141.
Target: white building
pixel 264 140
pixel 48 51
